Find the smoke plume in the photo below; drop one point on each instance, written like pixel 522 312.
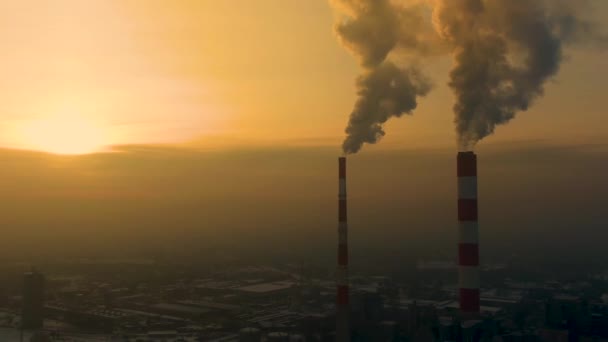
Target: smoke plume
pixel 505 51
pixel 383 92
pixel 373 30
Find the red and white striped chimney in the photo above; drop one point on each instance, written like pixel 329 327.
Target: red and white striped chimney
pixel 342 294
pixel 468 248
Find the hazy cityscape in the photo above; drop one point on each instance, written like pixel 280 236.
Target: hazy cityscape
pixel 282 286
pixel 168 300
pixel 303 171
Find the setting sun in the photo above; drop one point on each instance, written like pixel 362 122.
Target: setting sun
pixel 64 135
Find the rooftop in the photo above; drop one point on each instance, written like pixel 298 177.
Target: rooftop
pixel 179 308
pixel 266 287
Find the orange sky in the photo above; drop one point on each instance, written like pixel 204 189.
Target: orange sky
pixel 270 71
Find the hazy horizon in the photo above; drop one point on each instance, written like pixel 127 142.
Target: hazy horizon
pixel 150 200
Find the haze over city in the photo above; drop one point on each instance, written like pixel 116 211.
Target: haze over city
pixel 205 134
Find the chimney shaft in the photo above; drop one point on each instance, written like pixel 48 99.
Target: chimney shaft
pixel 342 294
pixel 468 249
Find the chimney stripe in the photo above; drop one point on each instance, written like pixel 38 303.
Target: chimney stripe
pixel 467 209
pixel 468 232
pixel 342 299
pixel 342 189
pixel 342 275
pixel 467 164
pixel 342 254
pixel 342 238
pixel 468 254
pixel 469 300
pixel 468 277
pixel 342 210
pixel 467 187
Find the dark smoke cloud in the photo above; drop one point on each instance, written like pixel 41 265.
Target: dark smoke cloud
pixel 383 92
pixel 372 31
pixel 505 51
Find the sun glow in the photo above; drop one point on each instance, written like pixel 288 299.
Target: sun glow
pixel 64 135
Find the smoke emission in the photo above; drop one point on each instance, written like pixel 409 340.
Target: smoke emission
pixel 384 91
pixel 505 51
pixel 373 30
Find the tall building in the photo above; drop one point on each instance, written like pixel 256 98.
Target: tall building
pixel 33 300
